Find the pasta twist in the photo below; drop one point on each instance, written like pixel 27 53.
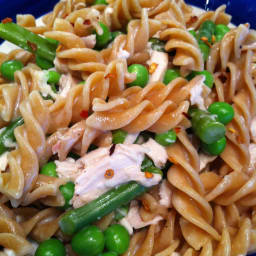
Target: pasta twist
pixel 236 154
pixel 17 225
pixel 133 46
pixel 24 161
pixel 12 94
pixel 157 108
pixel 188 55
pixel 218 17
pixel 188 198
pixel 229 48
pixel 80 98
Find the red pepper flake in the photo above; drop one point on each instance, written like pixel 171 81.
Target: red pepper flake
pixel 152 68
pixel 109 76
pixel 177 130
pixel 87 22
pixel 205 40
pixel 109 174
pixel 149 175
pixel 186 115
pixel 84 114
pixel 145 205
pixel 6 20
pixel 112 149
pixel 232 130
pixel 192 20
pixel 32 46
pixel 213 38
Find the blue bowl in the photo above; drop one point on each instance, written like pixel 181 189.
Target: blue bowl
pixel 242 11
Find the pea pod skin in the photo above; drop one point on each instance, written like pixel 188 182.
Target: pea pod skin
pixel 206 126
pixel 76 219
pixel 8 134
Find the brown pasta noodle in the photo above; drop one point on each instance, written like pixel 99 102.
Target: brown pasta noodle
pixel 202 205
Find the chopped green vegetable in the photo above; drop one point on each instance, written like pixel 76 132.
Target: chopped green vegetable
pixel 89 241
pixel 157 44
pixel 215 148
pixel 115 34
pixel 207 30
pixel 8 68
pixel 49 169
pixel 147 165
pixel 118 136
pixel 76 219
pixel 206 126
pixel 142 75
pixel 7 134
pixel 224 111
pixel 51 247
pixel 117 238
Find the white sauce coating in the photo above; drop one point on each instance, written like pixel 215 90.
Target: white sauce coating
pixel 196 97
pixel 165 194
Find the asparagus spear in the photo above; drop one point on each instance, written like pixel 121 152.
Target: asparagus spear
pixel 41 47
pixel 206 126
pixel 7 135
pixel 76 219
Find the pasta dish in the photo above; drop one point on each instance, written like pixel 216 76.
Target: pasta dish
pixel 127 128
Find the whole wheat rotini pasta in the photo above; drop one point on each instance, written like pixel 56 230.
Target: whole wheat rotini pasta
pixel 124 125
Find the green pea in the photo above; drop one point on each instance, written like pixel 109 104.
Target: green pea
pixel 142 75
pixel 224 111
pixel 43 63
pixel 103 39
pixel 8 68
pixel 49 169
pixel 117 238
pixel 108 254
pixel 209 80
pixel 215 148
pixel 220 31
pixel 118 136
pixel 67 191
pixel 205 50
pixel 166 138
pixel 53 77
pixel 115 34
pixel 157 44
pixel 100 2
pixel 51 247
pixel 88 242
pixel 170 75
